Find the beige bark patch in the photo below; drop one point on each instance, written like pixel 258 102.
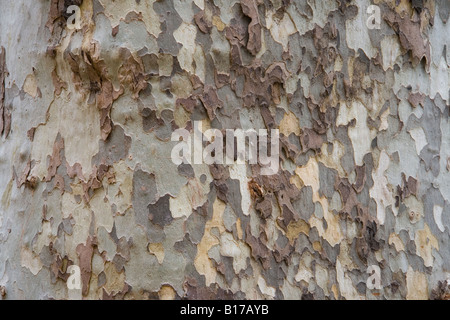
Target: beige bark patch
pixel 425 243
pixel 295 228
pixel 30 85
pixel 202 262
pixel 118 10
pixel 397 242
pixel 158 250
pixel 309 174
pixel 239 251
pixel 166 293
pixel 416 284
pixel 191 196
pixel 30 260
pixel 265 289
pixel 217 22
pixel 190 57
pixel 380 191
pixel 280 29
pixel 290 124
pixel 114 280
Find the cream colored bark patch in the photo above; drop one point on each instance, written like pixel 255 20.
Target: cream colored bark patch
pixel 265 289
pixel 437 213
pixel 390 49
pixel 202 262
pixel 30 85
pixel 290 124
pixel 191 196
pixel 380 191
pixel 114 280
pixel 425 243
pixel 30 260
pixel 420 139
pixel 120 192
pixel 416 284
pixel 166 293
pixel 358 33
pixel 78 123
pixel 397 242
pixel 280 29
pixel 190 57
pixel 346 287
pixel 118 10
pixel 229 247
pixel 360 134
pixel 309 174
pixel 158 250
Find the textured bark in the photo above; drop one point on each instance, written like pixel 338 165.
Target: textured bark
pixel 86 117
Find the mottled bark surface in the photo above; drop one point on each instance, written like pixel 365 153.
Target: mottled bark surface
pixel 86 117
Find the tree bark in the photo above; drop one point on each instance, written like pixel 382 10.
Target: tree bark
pixel 91 92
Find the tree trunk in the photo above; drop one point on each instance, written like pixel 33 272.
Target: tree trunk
pixel 95 205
